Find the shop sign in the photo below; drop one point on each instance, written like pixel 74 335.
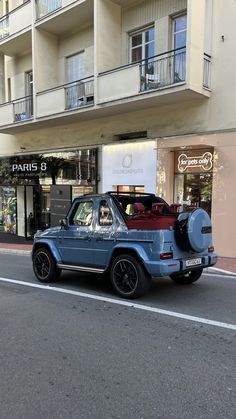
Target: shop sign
pixel 29 167
pixel 130 164
pixel 203 162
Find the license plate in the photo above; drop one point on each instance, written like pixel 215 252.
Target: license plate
pixel 193 262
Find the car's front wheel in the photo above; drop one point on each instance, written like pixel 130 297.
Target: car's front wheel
pixel 128 277
pixel 188 277
pixel 44 266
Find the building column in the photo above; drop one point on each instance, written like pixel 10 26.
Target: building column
pixel 2 79
pixel 195 43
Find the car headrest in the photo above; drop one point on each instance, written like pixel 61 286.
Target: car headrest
pixel 138 207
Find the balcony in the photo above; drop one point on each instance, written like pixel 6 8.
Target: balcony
pixel 162 77
pixel 16 22
pixel 72 96
pixel 60 16
pixel 157 81
pixel 19 110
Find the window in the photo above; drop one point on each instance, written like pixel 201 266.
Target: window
pixel 179 34
pixel 82 214
pixel 105 214
pixel 75 92
pixel 75 67
pixel 142 45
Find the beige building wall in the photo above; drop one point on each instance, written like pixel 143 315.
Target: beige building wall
pixel 45 59
pixel 16 67
pixel 81 41
pixel 107 35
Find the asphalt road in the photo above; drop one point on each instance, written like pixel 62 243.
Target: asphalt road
pixel 71 356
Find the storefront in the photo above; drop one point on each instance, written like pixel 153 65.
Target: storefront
pixel 130 167
pixel 36 190
pixel 193 179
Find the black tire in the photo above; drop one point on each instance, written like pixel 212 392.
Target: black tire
pixel 128 277
pixel 44 265
pixel 188 277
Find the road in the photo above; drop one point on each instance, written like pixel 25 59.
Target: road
pixel 86 355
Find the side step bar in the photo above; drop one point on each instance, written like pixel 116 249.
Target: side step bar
pixel 80 268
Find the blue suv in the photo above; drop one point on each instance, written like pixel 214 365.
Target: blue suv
pixel 133 237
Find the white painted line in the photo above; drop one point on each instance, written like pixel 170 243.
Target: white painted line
pixel 123 303
pixel 222 270
pixel 219 275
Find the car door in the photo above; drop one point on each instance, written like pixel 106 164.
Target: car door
pixel 104 233
pixel 75 242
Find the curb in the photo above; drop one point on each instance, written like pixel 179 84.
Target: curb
pixel 16 251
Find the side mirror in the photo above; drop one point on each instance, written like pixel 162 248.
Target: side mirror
pixel 63 222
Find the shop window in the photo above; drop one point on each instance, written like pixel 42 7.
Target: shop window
pixel 8 209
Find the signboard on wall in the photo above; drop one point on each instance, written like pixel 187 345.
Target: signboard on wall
pixel 130 164
pixel 194 161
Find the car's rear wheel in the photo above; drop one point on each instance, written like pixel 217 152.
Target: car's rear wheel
pixel 188 277
pixel 44 265
pixel 128 277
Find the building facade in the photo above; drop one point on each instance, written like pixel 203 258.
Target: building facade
pixel 117 94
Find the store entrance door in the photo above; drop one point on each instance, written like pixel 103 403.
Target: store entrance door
pixel 194 190
pixel 29 210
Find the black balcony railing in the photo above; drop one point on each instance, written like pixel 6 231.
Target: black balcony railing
pixel 79 93
pixel 44 7
pixel 163 70
pixel 23 109
pixel 4 27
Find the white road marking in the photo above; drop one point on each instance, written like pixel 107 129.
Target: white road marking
pixel 123 303
pixel 222 270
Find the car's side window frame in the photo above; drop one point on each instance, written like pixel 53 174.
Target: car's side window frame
pixel 82 222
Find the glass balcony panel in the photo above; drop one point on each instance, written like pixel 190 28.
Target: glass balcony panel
pixel 80 93
pixel 4 27
pixel 163 71
pixel 23 109
pixel 44 7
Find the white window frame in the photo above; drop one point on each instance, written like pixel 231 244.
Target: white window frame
pixel 138 32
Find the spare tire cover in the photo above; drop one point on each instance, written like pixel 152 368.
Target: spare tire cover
pixel 199 230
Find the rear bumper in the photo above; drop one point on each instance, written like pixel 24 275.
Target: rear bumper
pixel 170 266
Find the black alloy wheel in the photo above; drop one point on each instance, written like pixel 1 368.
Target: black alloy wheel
pixel 128 277
pixel 187 277
pixel 44 266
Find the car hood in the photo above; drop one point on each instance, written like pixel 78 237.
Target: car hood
pixel 53 231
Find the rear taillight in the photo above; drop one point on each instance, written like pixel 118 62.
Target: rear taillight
pixel 211 249
pixel 166 255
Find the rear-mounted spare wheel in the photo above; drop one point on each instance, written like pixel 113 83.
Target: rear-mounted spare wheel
pixel 193 230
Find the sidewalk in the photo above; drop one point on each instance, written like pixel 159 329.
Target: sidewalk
pixel 224 265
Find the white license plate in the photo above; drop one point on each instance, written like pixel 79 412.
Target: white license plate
pixel 193 262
